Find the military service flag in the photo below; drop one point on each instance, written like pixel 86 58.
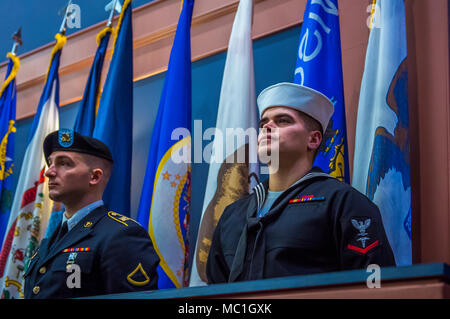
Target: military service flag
pixel 165 197
pixel 7 130
pixel 319 66
pixel 228 178
pixel 114 121
pixel 31 205
pixel 381 168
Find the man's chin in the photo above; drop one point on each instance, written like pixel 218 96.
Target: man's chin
pixel 56 197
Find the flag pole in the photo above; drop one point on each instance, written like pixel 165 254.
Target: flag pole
pixel 62 29
pixel 17 38
pixel 113 9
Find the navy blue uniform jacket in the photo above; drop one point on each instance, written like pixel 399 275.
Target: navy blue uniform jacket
pixel 114 254
pixel 317 225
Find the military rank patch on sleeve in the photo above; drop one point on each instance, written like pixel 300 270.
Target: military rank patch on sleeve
pixel 363 240
pixel 138 277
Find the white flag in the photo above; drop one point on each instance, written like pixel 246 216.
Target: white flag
pixel 381 168
pixel 233 151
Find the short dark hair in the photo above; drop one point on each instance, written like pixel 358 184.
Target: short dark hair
pixel 94 162
pixel 312 124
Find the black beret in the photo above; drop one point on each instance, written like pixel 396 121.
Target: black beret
pixel 70 141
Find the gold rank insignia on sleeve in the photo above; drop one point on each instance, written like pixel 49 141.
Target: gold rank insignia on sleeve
pixel 119 218
pixel 138 272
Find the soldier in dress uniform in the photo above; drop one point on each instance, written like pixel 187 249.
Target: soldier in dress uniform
pixel 93 251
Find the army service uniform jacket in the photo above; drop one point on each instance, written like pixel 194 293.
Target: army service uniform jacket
pixel 114 254
pixel 317 225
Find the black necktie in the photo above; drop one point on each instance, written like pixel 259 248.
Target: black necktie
pixel 62 230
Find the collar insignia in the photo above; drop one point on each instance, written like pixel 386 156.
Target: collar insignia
pixel 87 224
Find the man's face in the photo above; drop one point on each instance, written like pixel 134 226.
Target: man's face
pixel 283 131
pixel 68 175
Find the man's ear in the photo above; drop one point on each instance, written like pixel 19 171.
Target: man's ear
pixel 315 138
pixel 96 176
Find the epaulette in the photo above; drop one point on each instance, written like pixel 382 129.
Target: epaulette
pixel 120 218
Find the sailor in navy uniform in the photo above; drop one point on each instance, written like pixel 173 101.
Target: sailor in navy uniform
pixel 93 251
pixel 300 221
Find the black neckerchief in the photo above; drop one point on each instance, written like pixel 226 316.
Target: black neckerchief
pixel 253 222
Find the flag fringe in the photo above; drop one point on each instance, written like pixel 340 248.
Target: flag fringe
pixel 102 33
pixel 60 42
pixel 13 73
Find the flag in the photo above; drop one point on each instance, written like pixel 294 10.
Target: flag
pixel 381 168
pixel 165 197
pixel 114 122
pixel 85 121
pixel 7 121
pixel 31 205
pixel 319 66
pixel 229 178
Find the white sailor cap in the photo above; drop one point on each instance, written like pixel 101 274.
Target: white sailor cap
pixel 298 97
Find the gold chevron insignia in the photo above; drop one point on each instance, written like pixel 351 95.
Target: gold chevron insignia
pixel 142 271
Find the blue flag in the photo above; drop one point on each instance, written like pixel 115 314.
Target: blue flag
pixel 85 121
pixel 114 122
pixel 381 168
pixel 7 121
pixel 319 66
pixel 164 205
